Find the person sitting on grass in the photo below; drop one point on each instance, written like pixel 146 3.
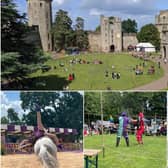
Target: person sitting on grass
pixel 118 75
pixel 70 77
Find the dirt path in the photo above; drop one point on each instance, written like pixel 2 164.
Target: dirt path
pixel 66 160
pixel 159 84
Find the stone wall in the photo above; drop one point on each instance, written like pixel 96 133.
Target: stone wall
pixel 33 37
pixel 161 22
pixel 111 36
pixel 39 14
pixel 94 41
pixel 129 39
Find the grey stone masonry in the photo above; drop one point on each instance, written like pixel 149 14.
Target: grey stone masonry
pixel 40 14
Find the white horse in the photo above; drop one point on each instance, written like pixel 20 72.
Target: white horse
pixel 46 151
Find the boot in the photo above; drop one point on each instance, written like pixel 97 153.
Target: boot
pixel 127 141
pixel 118 141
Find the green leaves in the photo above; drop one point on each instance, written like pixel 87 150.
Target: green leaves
pixel 19 57
pixel 151 103
pixel 129 26
pixel 64 34
pixel 149 33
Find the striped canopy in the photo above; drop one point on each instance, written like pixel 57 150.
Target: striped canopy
pixel 24 129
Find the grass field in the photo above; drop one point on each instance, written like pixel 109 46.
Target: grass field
pixel 151 154
pixel 92 76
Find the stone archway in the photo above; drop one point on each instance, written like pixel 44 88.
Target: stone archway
pixel 112 48
pixel 164 52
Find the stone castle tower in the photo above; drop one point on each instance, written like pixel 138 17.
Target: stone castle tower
pixel 110 37
pixel 40 15
pixel 111 34
pixel 161 22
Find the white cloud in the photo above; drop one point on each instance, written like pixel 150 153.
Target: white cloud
pixel 6 104
pixel 94 11
pixel 59 2
pixel 134 7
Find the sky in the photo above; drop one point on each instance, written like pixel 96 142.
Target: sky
pixel 11 99
pixel 143 11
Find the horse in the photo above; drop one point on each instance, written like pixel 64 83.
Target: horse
pixel 46 151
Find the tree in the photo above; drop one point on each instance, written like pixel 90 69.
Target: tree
pixel 98 28
pixel 19 58
pixel 151 103
pixel 62 30
pixel 129 26
pixel 62 110
pixel 81 35
pixel 112 104
pixel 12 26
pixel 13 116
pixel 149 33
pixel 4 120
pixel 79 23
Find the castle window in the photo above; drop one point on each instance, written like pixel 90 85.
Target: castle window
pixel 164 19
pixel 47 15
pixel 48 36
pixel 41 4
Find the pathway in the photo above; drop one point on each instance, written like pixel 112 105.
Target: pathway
pixel 159 84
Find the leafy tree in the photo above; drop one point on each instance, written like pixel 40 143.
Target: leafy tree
pixel 64 109
pixel 12 26
pixel 129 26
pixel 79 23
pixel 98 28
pixel 13 116
pixel 151 103
pixel 4 120
pixel 112 104
pixel 81 35
pixel 157 105
pixel 62 29
pixel 149 33
pixel 19 58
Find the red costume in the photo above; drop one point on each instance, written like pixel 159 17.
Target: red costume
pixel 140 128
pixel 70 78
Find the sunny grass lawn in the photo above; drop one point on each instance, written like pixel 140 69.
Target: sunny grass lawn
pixel 92 76
pixel 151 155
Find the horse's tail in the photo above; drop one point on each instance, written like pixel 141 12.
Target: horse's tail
pixel 48 160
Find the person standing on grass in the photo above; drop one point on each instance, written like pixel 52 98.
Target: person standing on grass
pixel 140 128
pixel 122 129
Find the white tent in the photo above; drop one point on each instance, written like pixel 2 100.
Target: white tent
pixel 147 47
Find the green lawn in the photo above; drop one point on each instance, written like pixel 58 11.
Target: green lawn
pixel 92 76
pixel 150 155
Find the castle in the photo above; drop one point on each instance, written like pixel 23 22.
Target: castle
pixel 40 16
pixel 161 22
pixel 110 38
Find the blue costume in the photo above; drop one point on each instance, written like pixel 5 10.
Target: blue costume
pixel 122 129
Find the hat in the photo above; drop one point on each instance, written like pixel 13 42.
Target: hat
pixel 123 114
pixel 141 115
